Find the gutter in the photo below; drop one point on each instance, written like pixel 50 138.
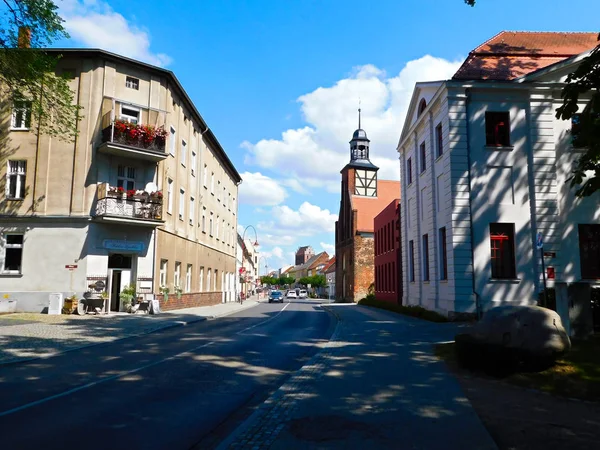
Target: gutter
pixel 477 296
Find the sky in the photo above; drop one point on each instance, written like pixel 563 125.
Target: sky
pixel 279 83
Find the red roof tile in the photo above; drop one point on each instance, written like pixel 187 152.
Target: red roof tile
pixel 511 54
pixel 368 207
pixel 330 263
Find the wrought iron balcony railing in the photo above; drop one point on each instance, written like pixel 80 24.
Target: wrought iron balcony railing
pixel 135 207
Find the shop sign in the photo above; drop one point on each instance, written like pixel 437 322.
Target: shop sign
pixel 130 246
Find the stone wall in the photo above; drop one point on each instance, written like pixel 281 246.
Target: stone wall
pixel 364 263
pixel 191 300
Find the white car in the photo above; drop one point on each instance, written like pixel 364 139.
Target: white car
pixel 291 294
pixel 303 294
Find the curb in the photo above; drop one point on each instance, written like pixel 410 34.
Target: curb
pixel 95 344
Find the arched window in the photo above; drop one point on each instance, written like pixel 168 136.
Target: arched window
pixel 422 106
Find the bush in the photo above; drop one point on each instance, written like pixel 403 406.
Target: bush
pixel 413 311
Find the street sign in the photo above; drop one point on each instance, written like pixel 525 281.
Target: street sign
pixel 71 266
pixel 539 243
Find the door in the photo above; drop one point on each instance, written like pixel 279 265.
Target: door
pixel 115 291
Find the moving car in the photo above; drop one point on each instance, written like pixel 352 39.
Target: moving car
pixel 275 296
pixel 303 294
pixel 291 294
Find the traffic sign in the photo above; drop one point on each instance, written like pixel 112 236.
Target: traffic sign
pixel 539 243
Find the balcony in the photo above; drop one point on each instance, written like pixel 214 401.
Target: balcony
pixel 131 140
pixel 128 207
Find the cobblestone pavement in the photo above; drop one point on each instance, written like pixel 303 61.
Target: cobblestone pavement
pixel 25 336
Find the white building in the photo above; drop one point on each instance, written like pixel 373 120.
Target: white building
pixel 484 168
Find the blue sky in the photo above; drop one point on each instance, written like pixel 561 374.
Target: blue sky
pixel 279 81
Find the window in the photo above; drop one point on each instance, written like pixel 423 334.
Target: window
pixel 188 278
pixel 164 265
pixel 204 219
pixel 425 257
pixel 224 196
pixel 210 225
pixel 423 157
pixel 443 254
pixel 126 177
pixel 181 204
pixel 502 245
pixel 21 115
pixel 169 196
pixel 172 142
pixel 439 138
pixel 177 277
pixel 422 106
pixel 13 256
pixel 223 231
pixel 411 260
pixel 233 205
pixel 183 152
pixel 212 183
pixel 218 191
pixel 15 180
pixel 229 203
pixel 208 280
pixel 132 83
pixel 409 171
pixel 129 114
pixel 589 251
pixel 497 129
pixel 216 279
pixel 205 176
pixel 201 279
pixel 192 210
pixel 217 231
pixel 193 163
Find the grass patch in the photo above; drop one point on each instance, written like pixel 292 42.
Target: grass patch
pixel 413 311
pixel 576 375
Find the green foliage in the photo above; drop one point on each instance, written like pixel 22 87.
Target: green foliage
pixel 29 74
pixel 470 2
pixel 315 281
pixel 584 82
pixel 285 280
pixel 413 311
pixel 267 280
pixel 127 295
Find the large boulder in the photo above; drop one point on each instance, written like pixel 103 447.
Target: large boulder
pixel 510 338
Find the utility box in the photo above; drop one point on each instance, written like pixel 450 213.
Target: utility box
pixel 56 303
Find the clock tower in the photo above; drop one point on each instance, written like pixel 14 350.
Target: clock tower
pixel 361 173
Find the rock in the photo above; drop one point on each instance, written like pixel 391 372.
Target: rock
pixel 510 337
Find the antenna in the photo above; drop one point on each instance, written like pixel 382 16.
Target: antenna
pixel 359 113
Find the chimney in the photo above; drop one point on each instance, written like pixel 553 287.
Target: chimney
pixel 24 40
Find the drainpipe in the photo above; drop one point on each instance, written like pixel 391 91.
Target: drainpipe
pixel 477 296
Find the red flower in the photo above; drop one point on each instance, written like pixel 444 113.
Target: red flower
pixel 131 192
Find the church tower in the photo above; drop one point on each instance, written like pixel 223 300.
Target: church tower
pixel 361 172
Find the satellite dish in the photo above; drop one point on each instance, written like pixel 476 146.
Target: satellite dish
pixel 151 188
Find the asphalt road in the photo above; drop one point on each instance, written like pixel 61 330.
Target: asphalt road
pixel 181 388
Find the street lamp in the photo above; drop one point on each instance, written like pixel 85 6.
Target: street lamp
pixel 255 244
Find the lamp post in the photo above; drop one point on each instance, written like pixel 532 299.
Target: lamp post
pixel 255 244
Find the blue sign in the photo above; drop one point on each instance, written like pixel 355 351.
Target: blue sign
pixel 128 246
pixel 539 243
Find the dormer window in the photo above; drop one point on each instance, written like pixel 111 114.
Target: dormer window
pixel 497 129
pixel 132 83
pixel 422 106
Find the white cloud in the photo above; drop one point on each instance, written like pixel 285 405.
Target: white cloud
pixel 94 23
pixel 258 189
pixel 315 154
pixel 329 248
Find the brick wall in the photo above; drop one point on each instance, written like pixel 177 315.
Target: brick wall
pixel 190 300
pixel 364 276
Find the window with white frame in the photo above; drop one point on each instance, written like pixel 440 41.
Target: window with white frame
pixel 201 279
pixel 233 205
pixel 15 180
pixel 223 231
pixel 192 210
pixel 126 177
pixel 218 191
pixel 164 266
pixel 204 219
pixel 215 289
pixel 188 278
pixel 173 141
pixel 224 196
pixel 229 203
pixel 208 280
pixel 177 275
pixel 183 152
pixel 205 176
pixel 217 230
pixel 212 183
pixel 210 225
pixel 13 253
pixel 181 204
pixel 132 83
pixel 170 196
pixel 21 115
pixel 193 163
pixel 129 114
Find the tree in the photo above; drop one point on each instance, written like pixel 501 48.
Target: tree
pixel 267 280
pixel 27 73
pixel 285 280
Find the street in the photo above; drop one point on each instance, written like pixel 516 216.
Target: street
pixel 175 389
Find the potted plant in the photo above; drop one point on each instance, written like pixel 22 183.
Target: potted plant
pixel 127 296
pixel 178 291
pixel 164 290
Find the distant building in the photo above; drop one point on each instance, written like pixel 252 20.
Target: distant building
pixel 303 254
pixel 388 255
pixel 329 272
pixel 362 198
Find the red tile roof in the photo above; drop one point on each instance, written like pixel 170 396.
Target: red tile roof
pixel 329 264
pixel 511 54
pixel 368 207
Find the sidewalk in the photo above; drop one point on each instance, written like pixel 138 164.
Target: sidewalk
pixel 25 336
pixel 376 385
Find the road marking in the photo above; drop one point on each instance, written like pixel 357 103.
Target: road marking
pixel 264 321
pixel 103 380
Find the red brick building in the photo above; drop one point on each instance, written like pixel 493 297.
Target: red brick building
pixel 362 198
pixel 388 255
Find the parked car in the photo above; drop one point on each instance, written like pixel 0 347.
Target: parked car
pixel 291 294
pixel 275 296
pixel 303 294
